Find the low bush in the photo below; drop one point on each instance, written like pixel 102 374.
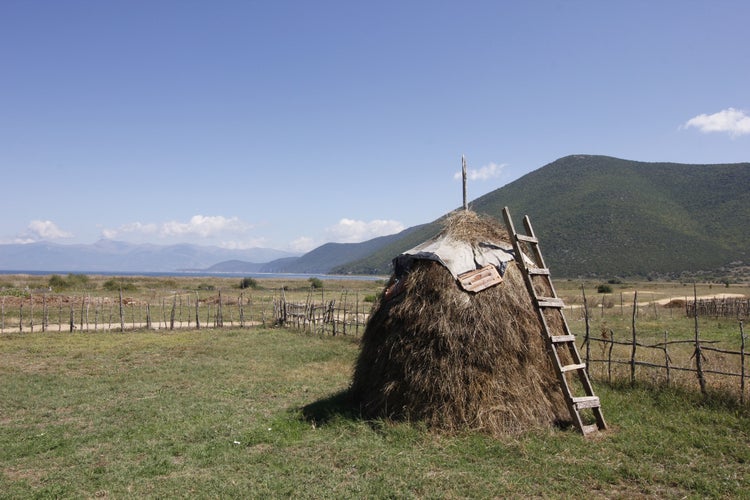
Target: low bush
pixel 249 283
pixel 115 285
pixel 76 281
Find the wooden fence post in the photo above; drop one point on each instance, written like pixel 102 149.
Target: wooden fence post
pixel 172 314
pixel 609 355
pixel 197 317
pixel 344 312
pixel 742 364
pixel 666 356
pixel 632 352
pixel 242 314
pixel 698 354
pixel 356 314
pixel 587 337
pixel 122 314
pixel 219 320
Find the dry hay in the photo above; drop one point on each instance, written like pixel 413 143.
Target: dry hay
pixel 458 360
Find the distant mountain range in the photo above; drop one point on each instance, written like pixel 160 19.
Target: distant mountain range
pixel 116 256
pixel 595 216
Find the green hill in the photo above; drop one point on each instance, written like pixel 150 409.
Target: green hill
pixel 603 216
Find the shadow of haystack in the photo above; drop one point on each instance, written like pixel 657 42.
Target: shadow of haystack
pixel 455 360
pixel 341 405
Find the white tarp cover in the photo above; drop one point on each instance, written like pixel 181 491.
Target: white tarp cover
pixel 457 256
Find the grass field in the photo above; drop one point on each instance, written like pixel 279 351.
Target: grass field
pixel 254 413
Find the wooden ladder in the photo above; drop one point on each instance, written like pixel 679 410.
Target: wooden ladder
pixel 556 332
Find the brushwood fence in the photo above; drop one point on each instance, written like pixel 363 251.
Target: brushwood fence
pixel 343 313
pixel 718 308
pixel 322 315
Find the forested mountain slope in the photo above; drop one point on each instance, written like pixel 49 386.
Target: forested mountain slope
pixel 603 216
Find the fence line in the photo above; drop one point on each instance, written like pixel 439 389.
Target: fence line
pixel 693 356
pixel 335 314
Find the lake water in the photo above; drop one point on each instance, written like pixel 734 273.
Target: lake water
pixel 187 274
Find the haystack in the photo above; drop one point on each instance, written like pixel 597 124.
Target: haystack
pixel 455 359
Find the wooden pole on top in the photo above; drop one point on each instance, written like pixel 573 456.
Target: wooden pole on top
pixel 463 174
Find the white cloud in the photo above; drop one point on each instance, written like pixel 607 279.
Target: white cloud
pixel 355 231
pixel 734 121
pixel 489 171
pixel 42 230
pixel 199 226
pixel 303 244
pixel 203 226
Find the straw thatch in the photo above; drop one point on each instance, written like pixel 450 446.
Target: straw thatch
pixel 455 359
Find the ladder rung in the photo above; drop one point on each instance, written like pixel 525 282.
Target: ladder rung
pixel 550 302
pixel 570 368
pixel 588 429
pixel 527 239
pixel 587 402
pixel 539 271
pixel 559 339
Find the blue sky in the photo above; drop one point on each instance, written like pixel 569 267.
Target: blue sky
pixel 288 124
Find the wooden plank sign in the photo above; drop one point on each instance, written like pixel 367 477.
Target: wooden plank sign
pixel 480 279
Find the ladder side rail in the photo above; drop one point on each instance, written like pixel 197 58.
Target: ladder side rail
pixel 554 356
pixel 575 355
pixel 570 400
pixel 584 379
pixel 530 232
pixel 538 252
pixel 514 240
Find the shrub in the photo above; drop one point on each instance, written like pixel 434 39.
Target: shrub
pixel 315 282
pixel 248 283
pixel 114 285
pixel 78 280
pixel 57 282
pixel 604 289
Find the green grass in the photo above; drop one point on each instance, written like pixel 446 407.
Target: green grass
pixel 257 413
